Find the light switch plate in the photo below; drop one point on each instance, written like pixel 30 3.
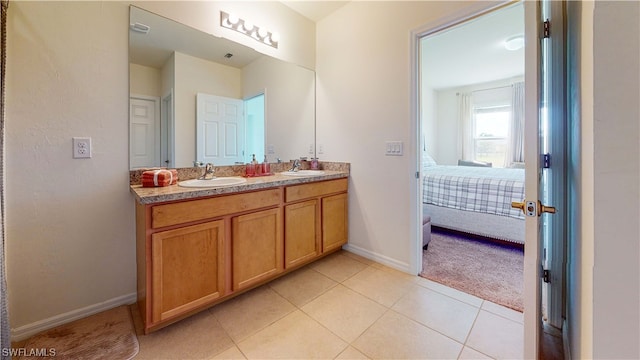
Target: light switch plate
pixel 394 148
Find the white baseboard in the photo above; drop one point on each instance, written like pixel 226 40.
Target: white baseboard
pixel 26 331
pixel 382 259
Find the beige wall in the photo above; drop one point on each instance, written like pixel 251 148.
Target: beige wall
pixel 144 80
pixel 616 184
pixel 363 99
pixel 69 223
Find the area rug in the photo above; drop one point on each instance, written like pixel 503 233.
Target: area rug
pixel 488 270
pixel 106 335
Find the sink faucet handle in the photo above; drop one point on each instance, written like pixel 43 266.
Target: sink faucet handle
pixel 295 166
pixel 208 172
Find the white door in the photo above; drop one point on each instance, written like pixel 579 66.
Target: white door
pixel 144 132
pixel 544 109
pixel 220 130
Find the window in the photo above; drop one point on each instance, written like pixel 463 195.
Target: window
pixel 490 134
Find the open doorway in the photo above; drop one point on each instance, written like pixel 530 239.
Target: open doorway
pixel 255 125
pixel 472 120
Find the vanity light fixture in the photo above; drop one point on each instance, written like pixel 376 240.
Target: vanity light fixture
pixel 261 34
pixel 514 43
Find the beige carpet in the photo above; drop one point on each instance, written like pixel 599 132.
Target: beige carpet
pixel 487 270
pixel 106 335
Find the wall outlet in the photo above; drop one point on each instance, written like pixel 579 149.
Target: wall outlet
pixel 271 149
pixel 81 147
pixel 320 148
pixel 310 149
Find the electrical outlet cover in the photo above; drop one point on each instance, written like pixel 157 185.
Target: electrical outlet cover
pixel 81 147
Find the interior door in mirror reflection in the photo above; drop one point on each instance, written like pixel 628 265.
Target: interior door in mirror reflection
pixel 144 146
pixel 220 129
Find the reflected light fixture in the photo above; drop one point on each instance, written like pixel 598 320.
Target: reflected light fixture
pixel 514 43
pixel 259 33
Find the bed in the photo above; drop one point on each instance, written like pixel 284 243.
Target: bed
pixel 475 200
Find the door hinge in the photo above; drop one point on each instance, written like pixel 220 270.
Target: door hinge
pixel 546 161
pixel 546 276
pixel 417 174
pixel 546 29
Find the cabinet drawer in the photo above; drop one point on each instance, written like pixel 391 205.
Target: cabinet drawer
pixel 304 191
pixel 194 210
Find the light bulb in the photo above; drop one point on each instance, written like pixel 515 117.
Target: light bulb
pixel 233 19
pixel 248 26
pixel 262 32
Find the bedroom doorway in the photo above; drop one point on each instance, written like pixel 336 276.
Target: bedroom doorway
pixel 471 107
pixel 459 137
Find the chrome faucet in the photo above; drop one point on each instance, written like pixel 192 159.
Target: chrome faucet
pixel 208 172
pixel 295 166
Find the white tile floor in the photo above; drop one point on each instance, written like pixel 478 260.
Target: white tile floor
pixel 344 307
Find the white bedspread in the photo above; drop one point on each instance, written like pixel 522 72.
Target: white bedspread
pixel 479 189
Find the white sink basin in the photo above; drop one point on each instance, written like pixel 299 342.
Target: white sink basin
pixel 303 173
pixel 215 182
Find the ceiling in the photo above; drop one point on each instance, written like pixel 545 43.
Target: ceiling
pixel 166 36
pixel 473 52
pixel 314 10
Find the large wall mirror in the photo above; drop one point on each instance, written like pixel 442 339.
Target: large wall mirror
pixel 195 97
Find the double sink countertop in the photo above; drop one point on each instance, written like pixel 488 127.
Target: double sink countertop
pixel 151 195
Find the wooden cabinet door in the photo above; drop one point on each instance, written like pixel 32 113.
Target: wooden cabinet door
pixel 334 221
pixel 301 233
pixel 187 268
pixel 257 246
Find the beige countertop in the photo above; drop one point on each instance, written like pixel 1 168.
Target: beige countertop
pixel 151 195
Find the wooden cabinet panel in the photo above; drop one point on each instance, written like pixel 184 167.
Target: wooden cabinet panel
pixel 257 247
pixel 335 229
pixel 188 268
pixel 305 191
pixel 194 210
pixel 301 233
pixel 194 253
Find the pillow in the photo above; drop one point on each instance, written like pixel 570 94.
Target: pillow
pixel 473 163
pixel 427 160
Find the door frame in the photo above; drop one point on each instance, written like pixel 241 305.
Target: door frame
pixel 532 319
pixel 167 126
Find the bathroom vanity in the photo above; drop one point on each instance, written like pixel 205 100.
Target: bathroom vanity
pixel 198 247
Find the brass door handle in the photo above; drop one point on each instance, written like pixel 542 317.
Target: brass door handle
pixel 529 208
pixel 519 205
pixel 545 209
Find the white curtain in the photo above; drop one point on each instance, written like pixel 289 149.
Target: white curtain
pixel 516 145
pixel 5 338
pixel 466 125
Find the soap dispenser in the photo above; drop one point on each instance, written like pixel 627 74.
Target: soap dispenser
pixel 266 168
pixel 257 166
